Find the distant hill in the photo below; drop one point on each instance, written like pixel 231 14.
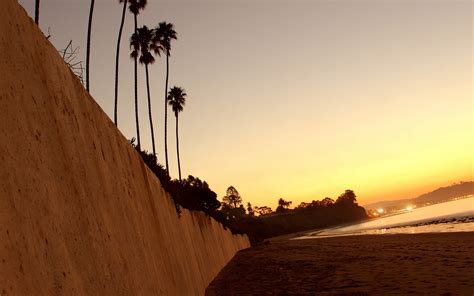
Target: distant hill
pixel 438 195
pixel 444 193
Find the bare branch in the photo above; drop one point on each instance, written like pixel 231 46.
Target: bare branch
pixel 69 55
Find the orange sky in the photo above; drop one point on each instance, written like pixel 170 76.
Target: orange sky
pixel 299 99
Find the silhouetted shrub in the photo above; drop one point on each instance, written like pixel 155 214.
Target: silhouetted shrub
pixel 191 193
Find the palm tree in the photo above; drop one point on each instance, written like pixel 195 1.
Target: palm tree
pixel 177 100
pixel 142 45
pixel 91 12
pixel 135 6
pixel 117 58
pixel 37 6
pixel 164 33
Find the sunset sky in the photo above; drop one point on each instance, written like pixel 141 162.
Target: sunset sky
pixel 296 99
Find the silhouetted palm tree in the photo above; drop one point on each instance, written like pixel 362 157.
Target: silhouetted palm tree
pixel 135 6
pixel 142 45
pixel 91 12
pixel 177 100
pixel 37 6
pixel 117 58
pixel 164 33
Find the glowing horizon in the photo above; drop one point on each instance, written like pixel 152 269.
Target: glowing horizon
pixel 302 100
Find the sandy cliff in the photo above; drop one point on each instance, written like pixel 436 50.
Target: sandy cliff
pixel 79 211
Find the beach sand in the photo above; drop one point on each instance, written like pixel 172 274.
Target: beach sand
pixel 427 264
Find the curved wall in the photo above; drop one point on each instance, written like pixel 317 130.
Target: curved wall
pixel 79 210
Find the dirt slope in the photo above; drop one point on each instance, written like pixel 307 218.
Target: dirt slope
pixel 79 211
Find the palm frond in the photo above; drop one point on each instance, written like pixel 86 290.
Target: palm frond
pixel 142 45
pixel 136 5
pixel 177 99
pixel 163 34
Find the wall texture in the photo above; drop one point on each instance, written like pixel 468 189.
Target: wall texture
pixel 79 211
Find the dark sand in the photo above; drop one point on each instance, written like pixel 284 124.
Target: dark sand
pixel 426 264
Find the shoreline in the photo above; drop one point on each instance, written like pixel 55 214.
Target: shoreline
pixel 455 220
pixel 445 225
pixel 316 233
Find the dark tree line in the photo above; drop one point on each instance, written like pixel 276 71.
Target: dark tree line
pixel 261 222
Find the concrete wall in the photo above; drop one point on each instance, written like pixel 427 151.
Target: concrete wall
pixel 79 211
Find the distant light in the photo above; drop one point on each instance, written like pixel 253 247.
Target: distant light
pixel 409 208
pixel 380 211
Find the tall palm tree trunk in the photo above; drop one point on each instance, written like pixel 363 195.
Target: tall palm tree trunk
pixel 177 146
pixel 149 110
pixel 117 60
pixel 89 44
pixel 166 111
pixel 37 6
pixel 136 92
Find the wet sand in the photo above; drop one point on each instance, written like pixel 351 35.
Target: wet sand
pixel 427 264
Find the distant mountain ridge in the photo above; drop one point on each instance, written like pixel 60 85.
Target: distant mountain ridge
pixel 438 195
